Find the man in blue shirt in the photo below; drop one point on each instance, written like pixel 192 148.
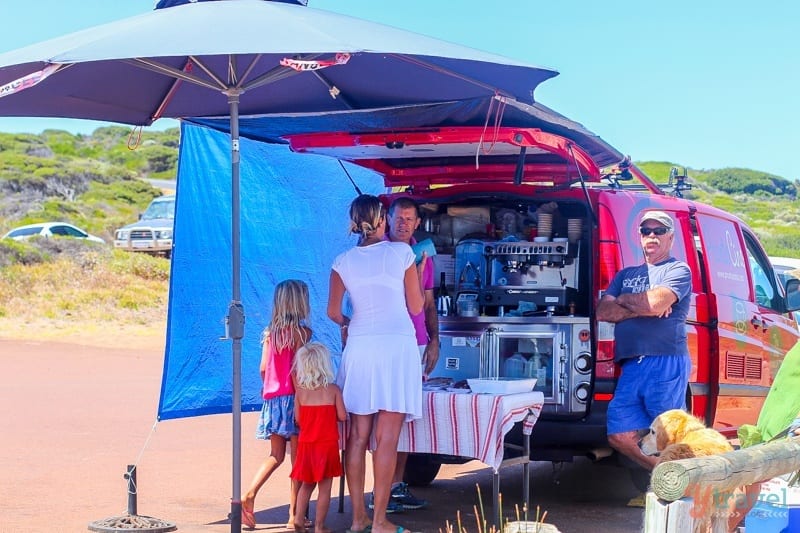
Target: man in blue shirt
pixel 648 304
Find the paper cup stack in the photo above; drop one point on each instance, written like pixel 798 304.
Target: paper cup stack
pixel 544 225
pixel 574 228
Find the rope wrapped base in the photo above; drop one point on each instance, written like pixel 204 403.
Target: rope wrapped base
pixel 129 522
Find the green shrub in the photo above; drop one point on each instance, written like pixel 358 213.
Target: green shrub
pixel 141 265
pixel 20 253
pixel 742 180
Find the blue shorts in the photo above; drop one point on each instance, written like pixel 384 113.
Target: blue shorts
pixel 647 387
pixel 277 418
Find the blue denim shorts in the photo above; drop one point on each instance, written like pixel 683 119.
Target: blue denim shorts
pixel 647 387
pixel 277 417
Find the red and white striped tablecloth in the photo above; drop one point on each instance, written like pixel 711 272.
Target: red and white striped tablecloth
pixel 469 425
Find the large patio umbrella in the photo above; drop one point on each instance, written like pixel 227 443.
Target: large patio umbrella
pixel 240 57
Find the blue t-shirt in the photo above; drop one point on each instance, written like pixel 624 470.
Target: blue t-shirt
pixel 653 335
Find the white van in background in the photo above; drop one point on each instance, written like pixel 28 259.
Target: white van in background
pixel 152 233
pixel 787 268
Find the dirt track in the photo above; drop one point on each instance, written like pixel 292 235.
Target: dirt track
pixel 74 415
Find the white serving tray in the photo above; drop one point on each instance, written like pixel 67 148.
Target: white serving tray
pixel 501 385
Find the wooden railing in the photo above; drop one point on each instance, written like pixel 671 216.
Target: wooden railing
pixel 671 506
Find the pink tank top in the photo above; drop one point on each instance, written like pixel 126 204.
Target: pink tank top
pixel 278 373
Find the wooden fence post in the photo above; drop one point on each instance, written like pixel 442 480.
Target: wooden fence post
pixel 725 472
pixel 669 509
pixel 675 517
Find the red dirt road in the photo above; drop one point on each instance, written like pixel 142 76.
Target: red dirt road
pixel 74 415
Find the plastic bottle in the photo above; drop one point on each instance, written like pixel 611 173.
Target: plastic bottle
pixel 541 373
pixel 514 366
pixel 537 366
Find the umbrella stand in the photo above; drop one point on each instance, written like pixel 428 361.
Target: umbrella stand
pixel 131 521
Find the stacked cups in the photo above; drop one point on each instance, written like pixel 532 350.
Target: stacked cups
pixel 574 229
pixel 545 225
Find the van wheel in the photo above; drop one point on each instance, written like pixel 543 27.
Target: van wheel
pixel 421 469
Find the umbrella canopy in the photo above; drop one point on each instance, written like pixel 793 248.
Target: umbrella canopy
pixel 286 58
pixel 232 57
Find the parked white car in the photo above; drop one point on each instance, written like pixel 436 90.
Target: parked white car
pixel 50 229
pixel 152 233
pixel 787 268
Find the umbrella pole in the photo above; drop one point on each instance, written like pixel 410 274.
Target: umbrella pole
pixel 236 317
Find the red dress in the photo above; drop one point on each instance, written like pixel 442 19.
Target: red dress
pixel 318 444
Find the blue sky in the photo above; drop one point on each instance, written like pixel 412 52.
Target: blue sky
pixel 707 84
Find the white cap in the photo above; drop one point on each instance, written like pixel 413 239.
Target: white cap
pixel 659 216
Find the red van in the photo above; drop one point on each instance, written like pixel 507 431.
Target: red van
pixel 528 233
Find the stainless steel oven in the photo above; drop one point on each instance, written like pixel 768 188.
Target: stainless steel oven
pixel 555 350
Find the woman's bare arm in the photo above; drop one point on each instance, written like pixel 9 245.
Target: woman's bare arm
pixel 414 297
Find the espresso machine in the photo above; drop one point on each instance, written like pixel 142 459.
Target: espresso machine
pixel 543 275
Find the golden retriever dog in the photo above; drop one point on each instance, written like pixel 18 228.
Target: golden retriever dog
pixel 676 434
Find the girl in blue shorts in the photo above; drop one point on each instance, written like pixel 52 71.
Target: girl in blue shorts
pixel 286 333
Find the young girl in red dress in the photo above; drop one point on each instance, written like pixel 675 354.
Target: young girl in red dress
pixel 318 409
pixel 287 331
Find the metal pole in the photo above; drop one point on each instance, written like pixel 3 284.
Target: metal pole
pixel 235 319
pixel 130 475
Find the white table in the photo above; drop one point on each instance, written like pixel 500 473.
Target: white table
pixel 475 425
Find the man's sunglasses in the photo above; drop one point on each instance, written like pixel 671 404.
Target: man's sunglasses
pixel 658 231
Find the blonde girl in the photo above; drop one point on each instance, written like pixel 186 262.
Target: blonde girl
pixel 319 406
pixel 286 332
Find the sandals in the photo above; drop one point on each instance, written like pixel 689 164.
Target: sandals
pixel 307 525
pixel 248 518
pixel 368 529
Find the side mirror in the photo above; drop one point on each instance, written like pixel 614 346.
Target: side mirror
pixel 792 294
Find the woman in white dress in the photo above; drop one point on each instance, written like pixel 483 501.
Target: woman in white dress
pixel 380 373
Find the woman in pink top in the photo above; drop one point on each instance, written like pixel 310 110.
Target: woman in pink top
pixel 285 334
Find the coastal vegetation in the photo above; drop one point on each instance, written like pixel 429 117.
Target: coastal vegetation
pixel 99 183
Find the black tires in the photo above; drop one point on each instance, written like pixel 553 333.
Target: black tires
pixel 421 469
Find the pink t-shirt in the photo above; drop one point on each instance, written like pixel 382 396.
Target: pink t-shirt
pixel 420 328
pixel 419 318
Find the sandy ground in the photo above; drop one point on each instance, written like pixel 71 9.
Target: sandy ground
pixel 78 410
pixel 79 404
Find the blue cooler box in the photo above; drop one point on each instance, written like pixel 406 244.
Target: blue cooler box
pixel 767 517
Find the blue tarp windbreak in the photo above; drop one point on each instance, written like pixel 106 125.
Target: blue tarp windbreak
pixel 293 223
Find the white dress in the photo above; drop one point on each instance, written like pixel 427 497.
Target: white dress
pixel 380 368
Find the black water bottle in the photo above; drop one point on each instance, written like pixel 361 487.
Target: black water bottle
pixel 442 297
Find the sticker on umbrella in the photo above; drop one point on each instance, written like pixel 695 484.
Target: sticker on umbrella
pixel 304 66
